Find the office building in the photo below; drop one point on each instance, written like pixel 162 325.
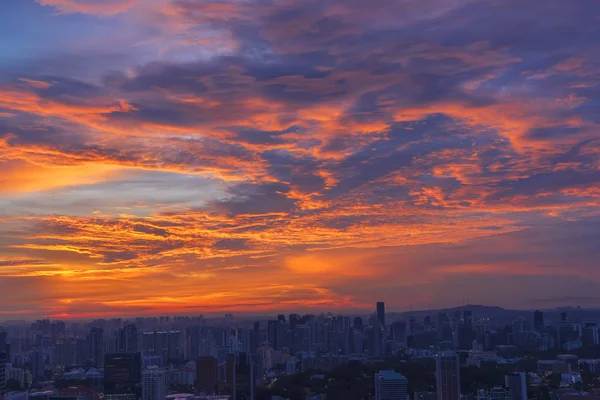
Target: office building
pixel 358 324
pixel 272 333
pixel 2 372
pixel 37 365
pixel 538 321
pixel 375 341
pixel 154 384
pixel 65 351
pixel 122 376
pixel 230 375
pixel 399 332
pixel 207 374
pixel 252 378
pixel 95 346
pixel 255 336
pixel 127 339
pixel 448 376
pixel 517 383
pixel 390 385
pixel 590 336
pixel 381 313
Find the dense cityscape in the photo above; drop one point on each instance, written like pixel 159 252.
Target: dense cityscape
pixel 469 352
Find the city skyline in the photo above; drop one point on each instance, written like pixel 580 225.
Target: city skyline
pixel 396 315
pixel 185 157
pixel 447 355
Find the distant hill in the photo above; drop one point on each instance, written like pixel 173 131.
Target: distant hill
pixel 499 314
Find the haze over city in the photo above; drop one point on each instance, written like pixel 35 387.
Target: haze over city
pixel 187 157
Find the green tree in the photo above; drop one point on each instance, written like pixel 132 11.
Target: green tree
pixel 554 381
pixel 13 385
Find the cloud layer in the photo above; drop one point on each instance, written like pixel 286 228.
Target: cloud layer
pixel 299 155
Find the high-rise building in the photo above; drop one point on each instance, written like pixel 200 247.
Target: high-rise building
pixel 381 313
pixel 4 344
pixel 230 375
pixel 252 383
pixel 256 336
pixel 390 385
pixel 375 339
pixel 2 372
pixel 207 374
pixel 448 376
pixel 520 326
pixel 81 351
pixel 37 364
pixel 538 321
pixel 127 339
pixel 358 324
pixel 168 344
pixel 517 383
pixel 284 336
pixel 122 376
pixel 272 333
pixel 95 344
pixel 399 332
pixel 17 374
pixel 154 384
pixel 467 317
pixel 64 351
pixel 590 336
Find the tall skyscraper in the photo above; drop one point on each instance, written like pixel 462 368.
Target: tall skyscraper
pixel 272 333
pixel 358 324
pixel 517 383
pixel 154 384
pixel 95 345
pixel 381 313
pixel 207 374
pixel 230 375
pixel 538 321
pixel 127 339
pixel 37 364
pixel 443 326
pixel 65 351
pixel 448 376
pixel 375 341
pixel 390 385
pixel 256 336
pixel 252 360
pixel 122 376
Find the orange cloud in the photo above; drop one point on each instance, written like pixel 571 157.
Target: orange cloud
pixel 21 177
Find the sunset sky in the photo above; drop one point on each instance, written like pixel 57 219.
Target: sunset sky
pixel 262 156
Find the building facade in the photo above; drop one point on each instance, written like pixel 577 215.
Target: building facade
pixel 154 384
pixel 390 385
pixel 123 376
pixel 448 376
